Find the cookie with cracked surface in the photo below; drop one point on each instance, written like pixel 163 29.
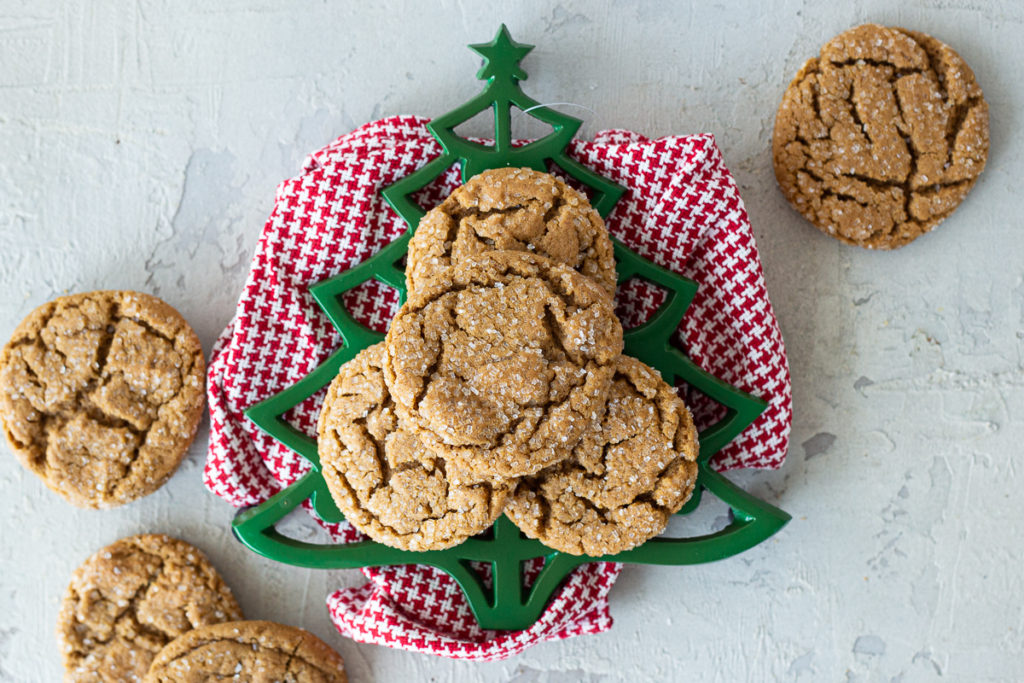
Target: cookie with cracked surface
pixel 101 394
pixel 512 209
pixel 880 138
pixel 248 652
pixel 502 362
pixel 130 599
pixel 386 482
pixel 624 479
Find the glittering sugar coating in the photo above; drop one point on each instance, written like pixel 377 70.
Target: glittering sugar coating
pixel 127 601
pixel 881 137
pixel 624 479
pixel 386 482
pixel 101 394
pixel 248 652
pixel 502 362
pixel 512 209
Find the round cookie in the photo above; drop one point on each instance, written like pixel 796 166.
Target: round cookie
pixel 503 362
pixel 624 479
pixel 127 601
pixel 248 652
pixel 101 394
pixel 512 209
pixel 386 482
pixel 881 137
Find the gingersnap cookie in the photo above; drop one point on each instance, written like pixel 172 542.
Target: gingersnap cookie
pixel 127 601
pixel 512 209
pixel 101 394
pixel 624 480
pixel 386 482
pixel 881 137
pixel 248 652
pixel 501 363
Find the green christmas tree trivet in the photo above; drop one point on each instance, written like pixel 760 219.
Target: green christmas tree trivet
pixel 501 601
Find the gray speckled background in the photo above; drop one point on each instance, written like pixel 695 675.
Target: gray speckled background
pixel 140 144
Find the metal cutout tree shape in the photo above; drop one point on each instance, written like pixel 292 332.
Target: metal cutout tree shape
pixel 503 600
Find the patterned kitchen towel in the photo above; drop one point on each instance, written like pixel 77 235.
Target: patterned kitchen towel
pixel 681 210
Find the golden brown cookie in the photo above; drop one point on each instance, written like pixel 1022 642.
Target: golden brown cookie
pixel 386 482
pixel 624 479
pixel 101 394
pixel 127 601
pixel 512 209
pixel 501 363
pixel 881 137
pixel 248 652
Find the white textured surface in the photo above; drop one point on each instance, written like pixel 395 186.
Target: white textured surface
pixel 140 144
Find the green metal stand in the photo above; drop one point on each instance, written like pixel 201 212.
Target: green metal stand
pixel 504 602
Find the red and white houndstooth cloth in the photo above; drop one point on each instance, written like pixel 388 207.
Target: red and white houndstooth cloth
pixel 682 211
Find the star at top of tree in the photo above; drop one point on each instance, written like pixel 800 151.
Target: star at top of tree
pixel 501 56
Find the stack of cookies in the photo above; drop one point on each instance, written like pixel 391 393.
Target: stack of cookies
pixel 501 387
pixel 152 608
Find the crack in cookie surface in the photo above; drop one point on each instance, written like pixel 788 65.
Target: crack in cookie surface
pixel 384 479
pixel 512 209
pixel 881 137
pixel 248 652
pixel 502 362
pixel 130 599
pixel 101 394
pixel 625 478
